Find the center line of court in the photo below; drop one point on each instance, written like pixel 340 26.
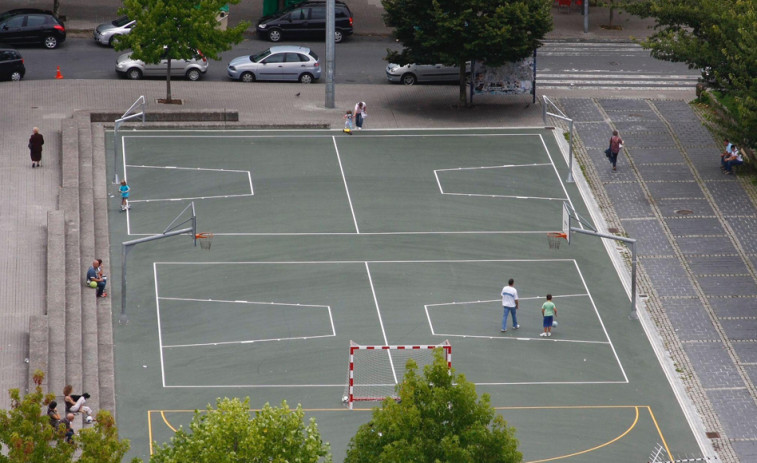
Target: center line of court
pixel 346 188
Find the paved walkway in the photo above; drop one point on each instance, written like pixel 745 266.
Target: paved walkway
pixel 698 268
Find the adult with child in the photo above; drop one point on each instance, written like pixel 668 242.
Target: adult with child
pixel 75 403
pixel 726 153
pixel 361 112
pixel 96 279
pixel 509 305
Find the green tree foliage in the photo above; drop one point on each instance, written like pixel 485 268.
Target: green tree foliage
pixel 26 432
pixel 438 419
pixel 175 29
pixel 452 32
pixel 717 36
pixel 227 434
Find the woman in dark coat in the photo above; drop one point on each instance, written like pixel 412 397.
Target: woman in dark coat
pixel 35 147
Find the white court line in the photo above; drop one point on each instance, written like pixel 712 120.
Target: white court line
pixel 251 341
pixel 248 341
pixel 158 200
pixel 186 168
pixel 607 335
pixel 381 321
pixel 303 262
pixel 482 232
pixel 505 196
pixel 520 338
pixel 328 133
pixel 294 386
pixel 160 334
pixel 499 300
pixel 346 188
pixel 494 167
pixel 557 174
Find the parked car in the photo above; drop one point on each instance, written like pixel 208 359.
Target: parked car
pixel 106 33
pixel 192 69
pixel 305 20
pixel 411 74
pixel 11 64
pixel 26 26
pixel 287 62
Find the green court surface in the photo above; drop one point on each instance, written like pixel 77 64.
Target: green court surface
pixel 381 238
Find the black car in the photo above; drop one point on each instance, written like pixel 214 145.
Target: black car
pixel 31 26
pixel 11 64
pixel 305 20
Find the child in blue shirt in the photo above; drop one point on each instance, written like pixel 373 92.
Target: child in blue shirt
pixel 348 122
pixel 124 189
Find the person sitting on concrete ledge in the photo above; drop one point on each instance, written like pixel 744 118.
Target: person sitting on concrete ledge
pixel 96 279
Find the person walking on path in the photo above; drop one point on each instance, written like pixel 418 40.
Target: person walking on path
pixel 35 146
pixel 361 113
pixel 549 312
pixel 616 144
pixel 124 189
pixel 510 305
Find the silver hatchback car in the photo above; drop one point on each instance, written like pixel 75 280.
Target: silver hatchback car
pixel 107 33
pixel 411 74
pixel 192 69
pixel 287 63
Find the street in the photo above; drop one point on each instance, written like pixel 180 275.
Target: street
pixel 560 64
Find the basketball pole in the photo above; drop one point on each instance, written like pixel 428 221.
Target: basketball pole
pixel 127 246
pixel 633 315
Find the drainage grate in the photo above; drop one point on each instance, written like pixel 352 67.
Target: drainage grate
pixel 684 212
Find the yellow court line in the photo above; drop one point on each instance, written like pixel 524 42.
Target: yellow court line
pixel 659 431
pixel 165 420
pixel 633 425
pixel 149 428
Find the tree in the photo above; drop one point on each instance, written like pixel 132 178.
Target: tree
pixel 452 32
pixel 227 434
pixel 716 36
pixel 177 29
pixel 439 418
pixel 26 433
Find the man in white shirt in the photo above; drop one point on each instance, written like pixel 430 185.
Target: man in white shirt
pixel 510 305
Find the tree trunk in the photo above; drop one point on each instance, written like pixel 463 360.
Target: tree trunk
pixel 612 11
pixel 463 100
pixel 56 7
pixel 168 82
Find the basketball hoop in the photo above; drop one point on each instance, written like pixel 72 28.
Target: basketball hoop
pixel 205 239
pixel 555 238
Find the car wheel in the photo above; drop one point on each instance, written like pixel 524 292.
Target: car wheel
pixel 193 74
pixel 50 42
pixel 247 77
pixel 134 74
pixel 409 79
pixel 306 78
pixel 15 76
pixel 338 36
pixel 112 41
pixel 274 35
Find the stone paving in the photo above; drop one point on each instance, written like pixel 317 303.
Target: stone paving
pixel 696 247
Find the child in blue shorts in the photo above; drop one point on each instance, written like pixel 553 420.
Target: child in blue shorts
pixel 549 312
pixel 124 189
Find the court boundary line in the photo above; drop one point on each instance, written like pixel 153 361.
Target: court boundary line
pixel 366 264
pixel 252 341
pixel 346 187
pixel 162 414
pixel 481 195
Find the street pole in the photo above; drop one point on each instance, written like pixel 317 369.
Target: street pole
pixel 330 32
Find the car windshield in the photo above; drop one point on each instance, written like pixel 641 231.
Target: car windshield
pixel 122 21
pixel 260 56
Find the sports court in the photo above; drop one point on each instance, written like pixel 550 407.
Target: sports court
pixel 381 238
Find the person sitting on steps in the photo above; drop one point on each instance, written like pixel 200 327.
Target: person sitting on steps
pixel 95 275
pixel 734 159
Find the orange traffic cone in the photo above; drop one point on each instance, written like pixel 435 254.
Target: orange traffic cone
pixel 58 75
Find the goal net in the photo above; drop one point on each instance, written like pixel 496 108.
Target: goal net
pixel 374 371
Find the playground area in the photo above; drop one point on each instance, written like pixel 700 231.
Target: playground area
pixel 402 238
